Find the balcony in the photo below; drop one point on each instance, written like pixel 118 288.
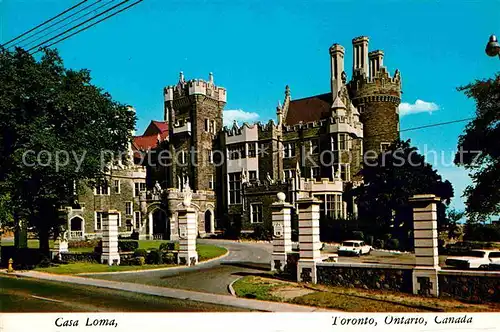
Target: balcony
pixel 182 127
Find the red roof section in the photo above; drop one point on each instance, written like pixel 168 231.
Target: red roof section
pixel 148 142
pixel 309 109
pixel 156 127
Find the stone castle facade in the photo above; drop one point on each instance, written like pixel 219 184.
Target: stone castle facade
pixel 314 148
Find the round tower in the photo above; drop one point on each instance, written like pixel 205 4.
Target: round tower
pixel 376 95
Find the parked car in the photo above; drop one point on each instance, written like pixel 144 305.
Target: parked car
pixel 354 247
pixel 475 259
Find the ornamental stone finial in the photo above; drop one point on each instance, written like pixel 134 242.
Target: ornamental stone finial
pixel 281 197
pixel 211 78
pixel 187 194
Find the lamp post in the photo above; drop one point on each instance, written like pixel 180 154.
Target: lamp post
pixel 493 47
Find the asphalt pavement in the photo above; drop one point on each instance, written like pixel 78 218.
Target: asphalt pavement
pixel 213 277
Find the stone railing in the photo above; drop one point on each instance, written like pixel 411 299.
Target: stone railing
pixel 76 234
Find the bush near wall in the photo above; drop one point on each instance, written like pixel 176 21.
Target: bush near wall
pixel 128 246
pixel 83 243
pixel 482 232
pixel 90 257
pixel 470 288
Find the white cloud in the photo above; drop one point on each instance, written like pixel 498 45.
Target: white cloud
pixel 240 116
pixel 419 106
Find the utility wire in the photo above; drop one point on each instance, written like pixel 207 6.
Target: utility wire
pixel 42 24
pixel 437 124
pixel 80 24
pixel 89 26
pixel 56 23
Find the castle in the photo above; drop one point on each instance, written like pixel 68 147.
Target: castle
pixel 315 148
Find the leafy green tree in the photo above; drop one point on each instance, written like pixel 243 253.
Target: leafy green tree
pixel 479 150
pixel 57 129
pixel 389 181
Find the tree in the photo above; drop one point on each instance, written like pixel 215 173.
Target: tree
pixel 479 150
pixel 57 130
pixel 389 181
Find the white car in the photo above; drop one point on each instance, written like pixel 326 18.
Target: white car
pixel 354 247
pixel 475 259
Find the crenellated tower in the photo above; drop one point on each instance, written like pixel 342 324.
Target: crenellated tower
pixel 376 94
pixel 193 110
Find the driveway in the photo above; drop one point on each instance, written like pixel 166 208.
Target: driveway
pixel 212 277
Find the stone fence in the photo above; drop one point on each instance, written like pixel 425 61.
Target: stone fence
pixel 425 277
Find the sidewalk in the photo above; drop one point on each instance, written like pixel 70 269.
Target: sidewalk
pixel 173 293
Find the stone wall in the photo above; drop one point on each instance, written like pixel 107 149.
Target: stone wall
pixel 367 276
pixel 470 286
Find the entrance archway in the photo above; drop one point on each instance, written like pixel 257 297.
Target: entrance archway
pixel 76 226
pixel 209 222
pixel 160 225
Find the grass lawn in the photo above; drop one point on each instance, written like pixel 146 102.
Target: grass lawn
pixel 31 295
pixel 348 299
pixel 205 252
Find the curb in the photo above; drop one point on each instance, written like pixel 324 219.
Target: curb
pixel 152 270
pixel 230 287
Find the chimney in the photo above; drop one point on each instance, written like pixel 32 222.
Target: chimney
pixel 360 54
pixel 376 59
pixel 337 68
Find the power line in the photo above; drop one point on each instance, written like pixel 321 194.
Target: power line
pixel 56 23
pixel 82 23
pixel 437 124
pixel 42 24
pixel 89 26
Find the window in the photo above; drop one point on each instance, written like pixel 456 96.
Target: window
pixel 314 146
pixel 116 186
pixel 137 218
pixel 98 220
pixel 182 157
pixel 384 146
pixel 315 172
pixel 252 175
pixel 322 205
pixel 207 124
pixel 342 142
pixel 211 183
pixel 289 150
pixel 334 206
pixel 128 208
pixel 264 149
pixel 251 150
pixel 214 127
pixel 234 188
pixel 236 151
pixel 255 212
pixel 102 189
pixel 210 156
pixel 139 187
pixel 129 225
pixel 290 173
pixel 119 220
pixel 345 172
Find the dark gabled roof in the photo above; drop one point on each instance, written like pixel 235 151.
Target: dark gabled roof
pixel 309 109
pixel 156 127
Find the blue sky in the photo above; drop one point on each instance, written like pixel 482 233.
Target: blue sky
pixel 255 48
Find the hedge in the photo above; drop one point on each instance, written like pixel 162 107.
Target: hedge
pixel 128 246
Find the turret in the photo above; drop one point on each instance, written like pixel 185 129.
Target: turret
pixel 337 68
pixel 376 95
pixel 359 56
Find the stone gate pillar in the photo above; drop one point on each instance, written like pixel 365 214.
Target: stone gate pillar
pixel 110 255
pixel 309 242
pixel 187 237
pixel 282 234
pixel 425 272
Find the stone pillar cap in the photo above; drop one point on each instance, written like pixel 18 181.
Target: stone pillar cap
pixel 281 204
pixel 424 197
pixel 309 200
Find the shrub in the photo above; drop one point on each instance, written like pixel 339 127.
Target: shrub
pixel 168 258
pixel 140 253
pixel 128 245
pixel 387 237
pixel 83 243
pixel 134 235
pixel 358 235
pixel 139 260
pixel 379 244
pixel 154 257
pixel 393 244
pixel 262 233
pixel 80 257
pixel 167 246
pixel 98 247
pixel 369 240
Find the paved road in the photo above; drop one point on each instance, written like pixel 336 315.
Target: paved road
pixel 212 277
